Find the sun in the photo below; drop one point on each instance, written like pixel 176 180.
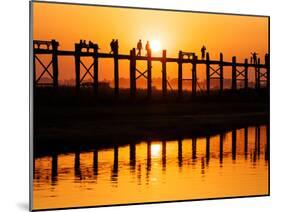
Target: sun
pixel 155 150
pixel 155 45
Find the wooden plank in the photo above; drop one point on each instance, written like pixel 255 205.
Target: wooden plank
pixel 127 57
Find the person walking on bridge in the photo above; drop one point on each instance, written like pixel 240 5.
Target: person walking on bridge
pixel 254 58
pixel 112 44
pixel 116 46
pixel 203 50
pixel 139 47
pixel 147 47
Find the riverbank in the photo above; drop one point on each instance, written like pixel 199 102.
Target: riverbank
pixel 66 129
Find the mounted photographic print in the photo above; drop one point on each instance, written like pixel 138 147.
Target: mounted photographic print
pixel 135 105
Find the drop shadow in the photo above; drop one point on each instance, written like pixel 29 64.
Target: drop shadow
pixel 23 206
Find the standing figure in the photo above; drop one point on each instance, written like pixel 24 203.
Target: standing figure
pixel 139 47
pixel 254 57
pixel 116 46
pixel 203 50
pixel 147 46
pixel 112 46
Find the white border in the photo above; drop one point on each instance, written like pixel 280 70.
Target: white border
pixel 14 107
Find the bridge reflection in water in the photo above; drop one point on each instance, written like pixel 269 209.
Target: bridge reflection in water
pixel 234 163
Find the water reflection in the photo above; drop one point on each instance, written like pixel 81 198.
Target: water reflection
pixel 222 137
pixel 77 169
pixel 54 168
pixel 114 173
pixel 180 153
pixel 145 167
pixel 164 150
pixel 133 156
pixel 233 144
pixel 207 149
pixel 193 149
pixel 148 161
pixel 95 164
pixel 246 142
pixel 267 143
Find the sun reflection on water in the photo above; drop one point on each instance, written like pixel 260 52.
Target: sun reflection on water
pixel 155 150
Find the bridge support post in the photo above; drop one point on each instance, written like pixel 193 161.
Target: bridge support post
pixel 55 45
pixel 96 71
pixel 221 72
pixel 246 74
pixel 149 79
pixel 194 75
pixel 116 73
pixel 77 66
pixel 180 74
pixel 258 75
pixel 133 73
pixel 164 73
pixel 208 73
pixel 234 81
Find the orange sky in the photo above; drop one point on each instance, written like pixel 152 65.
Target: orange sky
pixel 232 35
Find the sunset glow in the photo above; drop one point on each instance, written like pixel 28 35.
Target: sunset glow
pixel 155 45
pixel 172 31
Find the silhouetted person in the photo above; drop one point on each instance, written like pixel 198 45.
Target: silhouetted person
pixel 139 47
pixel 91 44
pixel 83 43
pixel 147 46
pixel 254 58
pixel 112 44
pixel 203 50
pixel 116 45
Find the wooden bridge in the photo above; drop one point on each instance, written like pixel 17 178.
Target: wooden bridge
pixel 214 68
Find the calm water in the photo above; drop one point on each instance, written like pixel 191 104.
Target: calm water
pixel 230 164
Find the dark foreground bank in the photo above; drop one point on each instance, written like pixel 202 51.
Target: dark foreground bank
pixel 69 133
pixel 65 122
